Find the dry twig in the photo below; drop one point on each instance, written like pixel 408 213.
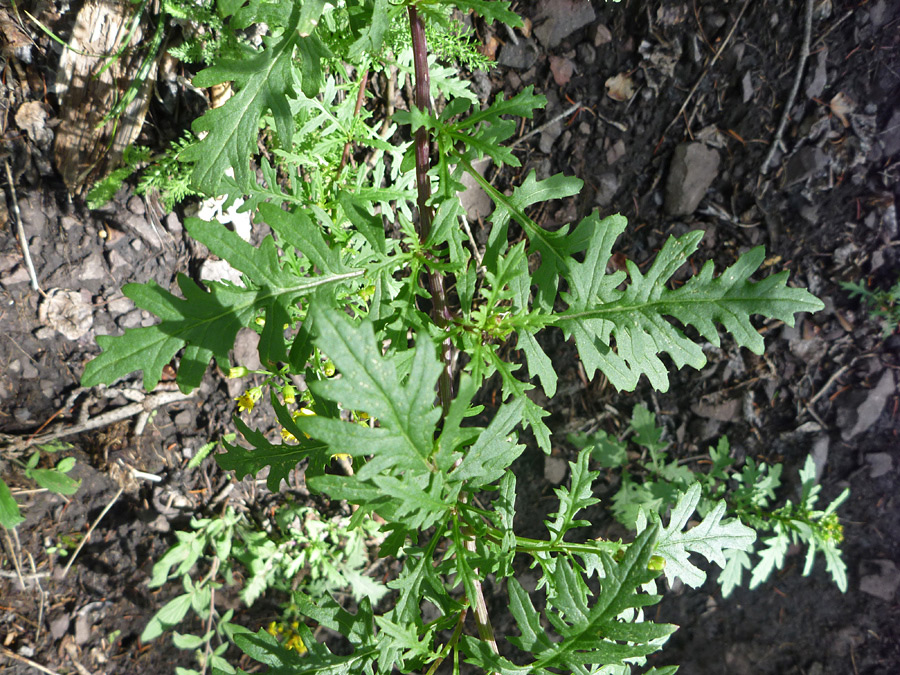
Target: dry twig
pixel 798 78
pixel 150 403
pixel 90 531
pixel 26 661
pixel 707 68
pixel 21 231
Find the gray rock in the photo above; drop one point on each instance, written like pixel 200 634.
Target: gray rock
pixel 870 409
pixel 519 56
pixel 173 224
pixel 555 470
pixel 693 169
pixel 130 320
pixel 890 136
pixel 558 19
pixel 93 268
pixel 880 463
pixel 803 164
pixel 884 583
pixel 549 136
pixel 820 76
pixel 246 349
pixel 607 186
pixel 474 199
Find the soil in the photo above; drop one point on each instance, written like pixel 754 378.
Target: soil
pixel 703 87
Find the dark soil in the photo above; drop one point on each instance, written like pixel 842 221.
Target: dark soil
pixel 826 211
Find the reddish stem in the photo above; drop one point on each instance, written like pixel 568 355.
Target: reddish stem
pixel 440 312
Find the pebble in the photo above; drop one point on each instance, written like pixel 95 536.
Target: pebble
pixel 558 19
pixel 519 56
pixel 555 469
pixel 869 411
pixel 693 169
pixel 884 583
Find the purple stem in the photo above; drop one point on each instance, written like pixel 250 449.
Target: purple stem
pixel 440 312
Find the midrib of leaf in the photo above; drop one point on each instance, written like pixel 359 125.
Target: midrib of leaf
pixel 255 85
pixel 257 300
pixel 535 232
pixel 384 394
pixel 612 308
pixel 592 626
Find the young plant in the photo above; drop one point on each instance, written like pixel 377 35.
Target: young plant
pixel 748 496
pixel 418 325
pixel 294 551
pixel 53 479
pixel 881 305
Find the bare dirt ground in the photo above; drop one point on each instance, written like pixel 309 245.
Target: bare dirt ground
pixel 669 112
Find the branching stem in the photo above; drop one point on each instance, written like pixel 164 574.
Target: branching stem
pixel 440 312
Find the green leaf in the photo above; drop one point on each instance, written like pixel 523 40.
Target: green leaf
pixel 573 499
pixel 370 383
pixel 494 451
pixel 491 10
pixel 771 558
pixel 9 510
pixel 733 572
pixel 169 615
pixel 710 538
pixel 281 458
pixel 188 641
pixel 205 322
pixel 635 317
pixel 264 83
pixel 54 480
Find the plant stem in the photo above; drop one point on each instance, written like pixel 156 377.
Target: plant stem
pixel 440 312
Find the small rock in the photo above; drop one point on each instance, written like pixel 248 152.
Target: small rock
pixel 820 455
pixel 220 270
pixel 562 70
pixel 246 349
pixel 116 261
pixel 890 136
pixel 820 76
pixel 607 186
pixel 693 169
pixel 519 56
pixel 726 410
pixel 136 205
pixel 558 19
pixel 18 276
pixel 804 164
pixel 59 627
pixel 131 319
pixel 184 419
pixel 884 583
pixel 120 305
pixel 880 463
pixel 747 87
pixel 586 53
pixel 29 372
pixel 474 199
pixel 555 469
pixel 173 224
pixel 870 409
pixel 92 268
pixel 602 35
pixel 615 152
pixel 549 136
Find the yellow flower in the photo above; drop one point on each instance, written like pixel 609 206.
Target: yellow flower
pixel 290 394
pixel 297 414
pixel 237 371
pixel 295 642
pixel 248 399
